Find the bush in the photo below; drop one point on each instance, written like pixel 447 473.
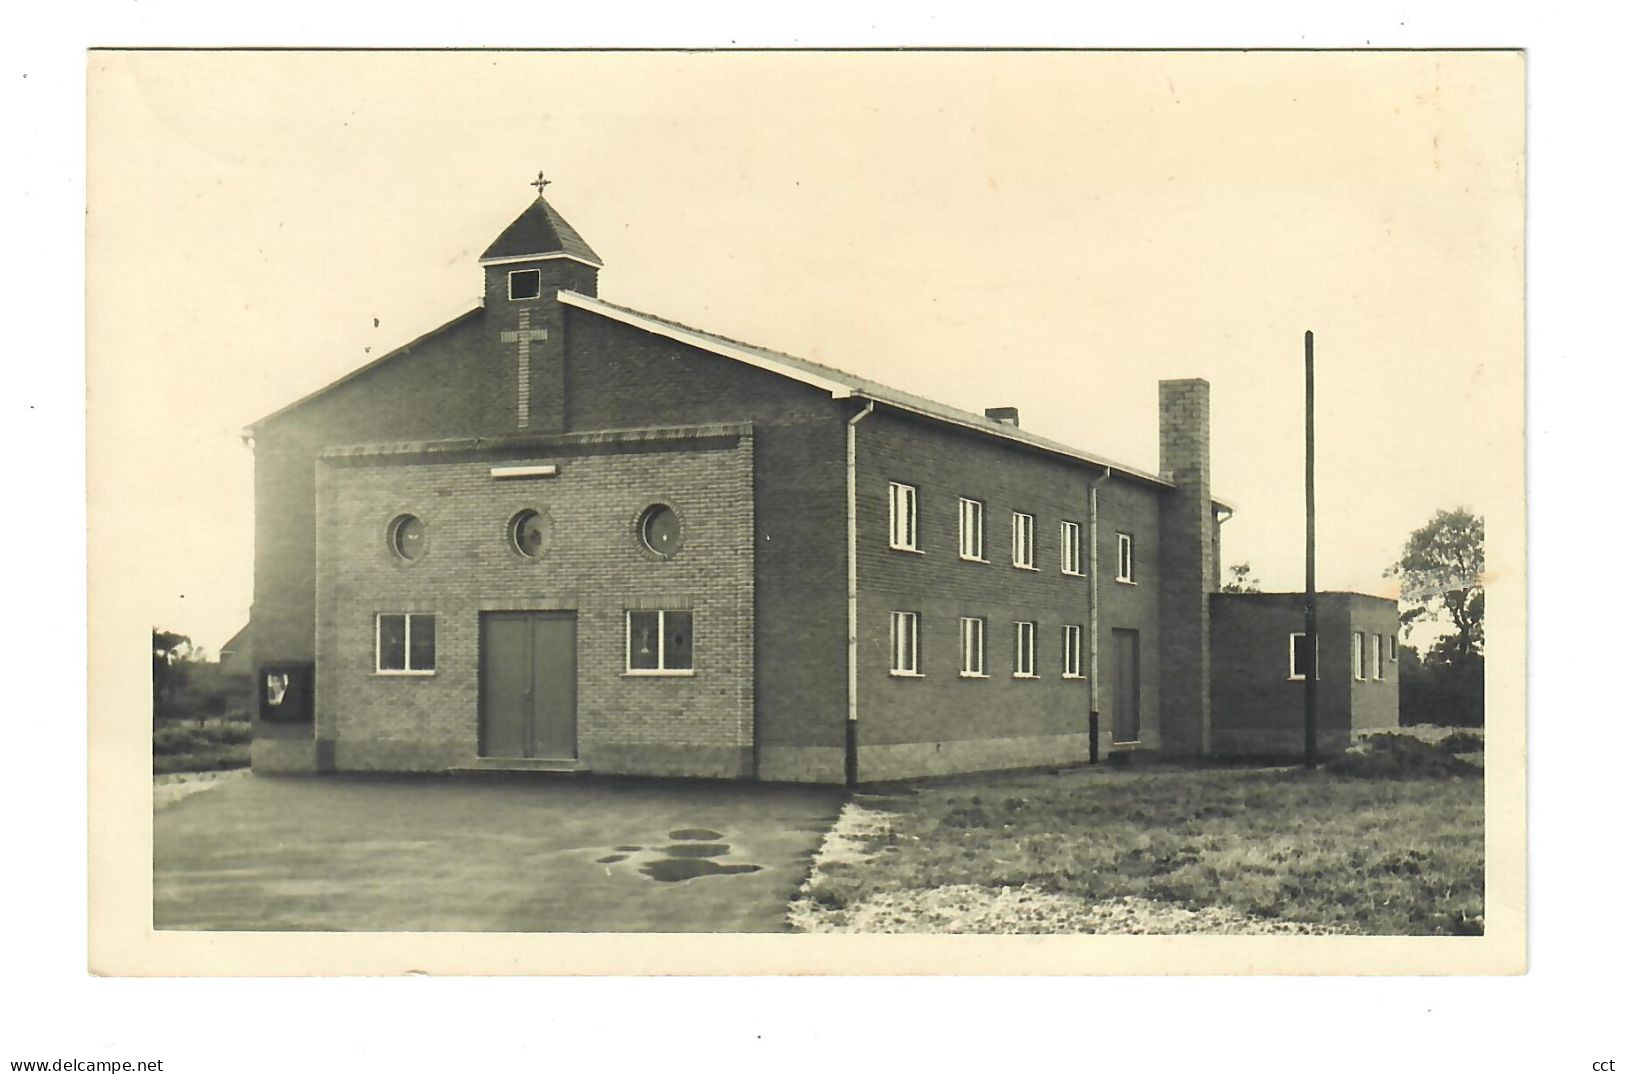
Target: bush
pixel 1390 756
pixel 172 739
pixel 1462 742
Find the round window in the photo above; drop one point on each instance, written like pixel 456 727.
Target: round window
pixel 529 533
pixel 407 537
pixel 660 529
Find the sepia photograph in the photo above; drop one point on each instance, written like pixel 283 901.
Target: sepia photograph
pixel 728 511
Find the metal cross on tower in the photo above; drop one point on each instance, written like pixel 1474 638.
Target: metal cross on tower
pixel 542 182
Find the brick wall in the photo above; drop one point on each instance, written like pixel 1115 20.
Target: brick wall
pixel 540 376
pixel 1187 561
pixel 699 725
pixel 1258 710
pixel 1374 703
pixel 940 721
pixel 622 376
pixel 1134 508
pixel 446 384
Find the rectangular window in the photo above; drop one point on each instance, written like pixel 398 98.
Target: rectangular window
pixel 970 529
pixel 405 644
pixel 1125 557
pixel 1393 646
pixel 972 649
pixel 1298 656
pixel 524 283
pixel 903 527
pixel 660 642
pixel 1378 669
pixel 1071 548
pixel 1357 654
pixel 905 643
pixel 1026 656
pixel 1021 540
pixel 1072 652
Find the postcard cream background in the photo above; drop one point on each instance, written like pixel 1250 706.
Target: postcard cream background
pixel 974 275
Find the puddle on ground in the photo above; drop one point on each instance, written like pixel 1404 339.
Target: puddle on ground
pixel 695 835
pixel 690 855
pixel 669 870
pixel 695 850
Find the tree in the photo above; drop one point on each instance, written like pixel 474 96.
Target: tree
pixel 1241 580
pixel 168 651
pixel 1441 574
pixel 1441 578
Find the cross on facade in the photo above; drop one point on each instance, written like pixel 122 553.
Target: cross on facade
pixel 524 336
pixel 541 183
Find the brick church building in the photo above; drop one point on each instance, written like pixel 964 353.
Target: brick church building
pixel 559 533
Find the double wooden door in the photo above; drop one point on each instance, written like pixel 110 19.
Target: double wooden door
pixel 528 684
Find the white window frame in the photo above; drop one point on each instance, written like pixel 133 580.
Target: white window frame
pixel 1026 630
pixel 1125 558
pixel 1292 672
pixel 528 298
pixel 1393 647
pixel 972 647
pixel 972 530
pixel 660 670
pixel 1071 548
pixel 1378 668
pixel 406 634
pixel 1357 655
pixel 1072 652
pixel 903 508
pixel 905 645
pixel 1023 554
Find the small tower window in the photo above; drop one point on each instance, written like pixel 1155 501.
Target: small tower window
pixel 524 283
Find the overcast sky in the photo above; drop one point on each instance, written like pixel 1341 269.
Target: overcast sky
pixel 1055 232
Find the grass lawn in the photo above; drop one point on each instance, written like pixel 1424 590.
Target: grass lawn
pixel 1374 856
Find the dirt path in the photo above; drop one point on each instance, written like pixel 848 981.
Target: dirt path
pixel 171 788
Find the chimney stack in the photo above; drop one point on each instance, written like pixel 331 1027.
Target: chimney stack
pixel 1188 571
pixel 1004 415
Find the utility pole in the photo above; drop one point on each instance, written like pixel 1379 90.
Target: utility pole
pixel 1310 602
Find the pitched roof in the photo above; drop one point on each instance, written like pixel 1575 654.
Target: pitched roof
pixel 840 383
pixel 540 231
pixel 404 348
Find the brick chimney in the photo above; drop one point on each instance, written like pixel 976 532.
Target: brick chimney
pixel 1188 570
pixel 535 257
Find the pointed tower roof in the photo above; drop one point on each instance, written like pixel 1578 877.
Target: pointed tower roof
pixel 540 232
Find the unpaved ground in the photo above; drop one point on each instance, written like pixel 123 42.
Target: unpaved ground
pixel 967 908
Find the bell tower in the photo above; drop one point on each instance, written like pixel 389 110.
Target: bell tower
pixel 535 257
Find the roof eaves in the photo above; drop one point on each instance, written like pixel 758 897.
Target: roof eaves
pixel 556 255
pixel 360 370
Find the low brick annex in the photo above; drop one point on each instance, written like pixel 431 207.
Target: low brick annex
pixel 560 533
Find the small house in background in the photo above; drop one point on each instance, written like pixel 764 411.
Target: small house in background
pixel 560 533
pixel 237 655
